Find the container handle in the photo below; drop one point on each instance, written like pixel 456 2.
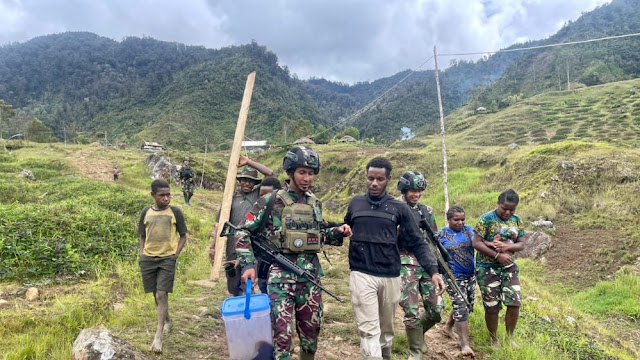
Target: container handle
pixel 247 311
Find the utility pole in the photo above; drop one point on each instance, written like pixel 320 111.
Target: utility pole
pixel 568 82
pixel 204 160
pixel 442 133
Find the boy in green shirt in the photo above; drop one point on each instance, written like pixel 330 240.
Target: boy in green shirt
pixel 163 233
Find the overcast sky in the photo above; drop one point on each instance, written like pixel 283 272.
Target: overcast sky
pixel 341 40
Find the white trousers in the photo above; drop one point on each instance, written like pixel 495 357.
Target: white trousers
pixel 374 301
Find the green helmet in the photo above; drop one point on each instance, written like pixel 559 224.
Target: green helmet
pixel 411 180
pixel 301 156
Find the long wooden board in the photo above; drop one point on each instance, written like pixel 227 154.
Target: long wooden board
pixel 230 184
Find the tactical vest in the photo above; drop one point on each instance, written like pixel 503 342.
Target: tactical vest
pixel 300 230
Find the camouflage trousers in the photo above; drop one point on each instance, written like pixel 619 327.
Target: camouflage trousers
pixel 416 283
pixel 301 301
pixel 467 286
pixel 187 187
pixel 499 285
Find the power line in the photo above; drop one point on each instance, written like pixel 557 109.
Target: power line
pixel 544 46
pixel 369 105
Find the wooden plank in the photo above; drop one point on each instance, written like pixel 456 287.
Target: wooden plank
pixel 230 184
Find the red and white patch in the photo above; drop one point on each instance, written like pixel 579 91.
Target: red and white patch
pixel 250 217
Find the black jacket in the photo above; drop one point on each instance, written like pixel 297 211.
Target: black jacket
pixel 373 248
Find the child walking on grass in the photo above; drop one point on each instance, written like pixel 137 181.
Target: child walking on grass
pixel 163 233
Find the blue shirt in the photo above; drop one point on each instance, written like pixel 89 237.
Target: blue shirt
pixel 458 244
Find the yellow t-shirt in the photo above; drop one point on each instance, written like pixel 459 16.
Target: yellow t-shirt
pixel 162 230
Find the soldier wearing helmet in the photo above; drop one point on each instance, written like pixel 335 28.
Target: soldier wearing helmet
pixel 292 219
pixel 416 283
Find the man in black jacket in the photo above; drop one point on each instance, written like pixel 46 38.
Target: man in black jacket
pixel 375 219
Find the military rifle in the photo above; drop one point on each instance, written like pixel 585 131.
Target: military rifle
pixel 443 257
pixel 266 251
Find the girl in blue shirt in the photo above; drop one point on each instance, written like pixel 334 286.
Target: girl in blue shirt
pixel 456 238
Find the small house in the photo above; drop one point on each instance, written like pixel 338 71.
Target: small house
pixel 304 141
pixel 151 146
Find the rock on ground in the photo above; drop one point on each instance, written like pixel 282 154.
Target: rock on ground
pixel 32 294
pixel 28 175
pixel 99 344
pixel 536 243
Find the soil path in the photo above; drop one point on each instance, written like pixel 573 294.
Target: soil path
pixel 207 326
pixel 92 164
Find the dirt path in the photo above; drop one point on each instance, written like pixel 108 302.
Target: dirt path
pixel 92 164
pixel 200 321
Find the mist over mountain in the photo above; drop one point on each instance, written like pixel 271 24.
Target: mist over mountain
pixel 84 85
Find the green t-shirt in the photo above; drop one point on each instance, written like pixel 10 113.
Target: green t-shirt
pixel 488 226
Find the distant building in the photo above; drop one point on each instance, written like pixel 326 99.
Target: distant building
pixel 347 139
pixel 151 146
pixel 303 140
pixel 255 145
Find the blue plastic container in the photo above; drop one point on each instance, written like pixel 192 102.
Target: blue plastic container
pixel 247 322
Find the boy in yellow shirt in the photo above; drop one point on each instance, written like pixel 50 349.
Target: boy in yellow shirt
pixel 163 233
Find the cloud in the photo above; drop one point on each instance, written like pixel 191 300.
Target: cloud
pixel 348 41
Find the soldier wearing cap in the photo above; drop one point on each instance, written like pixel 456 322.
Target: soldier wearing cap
pixel 246 194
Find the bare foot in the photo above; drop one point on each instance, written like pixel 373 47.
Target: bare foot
pixel 495 344
pixel 156 346
pixel 448 331
pixel 167 327
pixel 513 344
pixel 466 351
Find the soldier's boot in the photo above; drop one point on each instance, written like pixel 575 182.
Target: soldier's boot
pixel 186 198
pixel 307 356
pixel 426 325
pixel 415 337
pixel 386 353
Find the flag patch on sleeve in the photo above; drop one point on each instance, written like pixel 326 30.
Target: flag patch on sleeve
pixel 250 217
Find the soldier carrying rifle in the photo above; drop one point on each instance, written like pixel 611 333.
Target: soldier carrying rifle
pixel 291 219
pixel 416 282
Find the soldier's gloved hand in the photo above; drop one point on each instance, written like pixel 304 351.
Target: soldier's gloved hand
pixel 436 280
pixel 250 273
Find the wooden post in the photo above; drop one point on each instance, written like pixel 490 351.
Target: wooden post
pixel 204 160
pixel 444 145
pixel 229 186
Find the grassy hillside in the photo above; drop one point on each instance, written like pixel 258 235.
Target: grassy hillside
pixel 605 113
pixel 580 302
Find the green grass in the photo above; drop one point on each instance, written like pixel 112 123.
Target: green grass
pixel 612 298
pixel 596 192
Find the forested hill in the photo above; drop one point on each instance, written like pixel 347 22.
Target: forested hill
pixel 582 65
pixel 494 82
pixel 145 89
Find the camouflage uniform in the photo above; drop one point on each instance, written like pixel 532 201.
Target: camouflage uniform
pixel 291 296
pixel 498 284
pixel 416 282
pixel 186 175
